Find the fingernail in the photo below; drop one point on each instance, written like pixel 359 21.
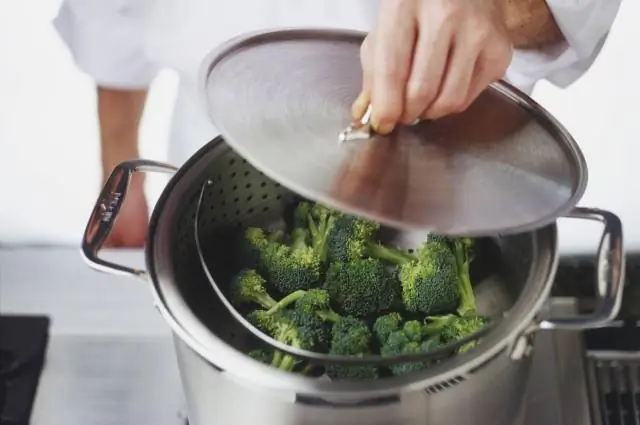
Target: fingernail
pixel 382 128
pixel 359 106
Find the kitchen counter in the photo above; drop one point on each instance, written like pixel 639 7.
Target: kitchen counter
pixel 110 359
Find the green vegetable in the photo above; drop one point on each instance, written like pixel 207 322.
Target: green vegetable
pixel 249 287
pixel 317 301
pixel 352 238
pixel 291 268
pixel 362 287
pixel 351 336
pixel 284 328
pixel 385 325
pixel 410 338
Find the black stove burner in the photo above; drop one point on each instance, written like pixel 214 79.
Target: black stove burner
pixel 23 345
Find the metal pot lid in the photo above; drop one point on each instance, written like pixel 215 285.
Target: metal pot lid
pixel 282 98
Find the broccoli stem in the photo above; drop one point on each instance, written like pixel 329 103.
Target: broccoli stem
pixel 319 235
pixel 275 236
pixel 266 301
pixel 394 256
pixel 329 316
pixel 286 301
pixel 298 239
pixel 435 324
pixel 288 363
pixel 277 359
pixel 467 296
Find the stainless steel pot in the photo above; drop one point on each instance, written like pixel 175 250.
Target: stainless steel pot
pixel 223 386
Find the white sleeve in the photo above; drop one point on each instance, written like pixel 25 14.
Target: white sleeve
pixel 585 25
pixel 106 40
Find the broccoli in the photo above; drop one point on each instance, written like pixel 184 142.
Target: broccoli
pixel 461 327
pixel 351 336
pixel 409 339
pixel 311 327
pixel 301 215
pixel 317 301
pixel 320 221
pixel 352 238
pixel 285 328
pixel 468 320
pixel 291 268
pixel 249 287
pixel 362 287
pixel 384 325
pixel 428 279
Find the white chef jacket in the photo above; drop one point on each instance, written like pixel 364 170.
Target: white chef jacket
pixel 123 43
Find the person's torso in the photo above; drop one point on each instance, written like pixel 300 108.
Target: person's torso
pixel 180 33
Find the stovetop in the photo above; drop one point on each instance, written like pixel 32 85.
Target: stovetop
pixel 23 343
pixel 110 358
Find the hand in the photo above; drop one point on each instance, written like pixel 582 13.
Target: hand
pixel 130 228
pixel 430 58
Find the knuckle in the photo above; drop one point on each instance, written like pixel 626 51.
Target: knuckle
pixel 419 93
pixel 447 106
pixel 388 113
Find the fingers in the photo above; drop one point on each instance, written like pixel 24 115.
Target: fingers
pixel 361 103
pixel 392 56
pixel 430 58
pixel 429 62
pixel 455 86
pixel 479 57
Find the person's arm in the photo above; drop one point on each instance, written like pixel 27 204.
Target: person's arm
pixel 531 24
pixel 557 41
pixel 106 41
pixel 119 114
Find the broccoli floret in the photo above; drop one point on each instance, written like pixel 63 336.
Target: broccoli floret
pixel 311 327
pixel 409 340
pixel 352 238
pixel 284 328
pixel 362 287
pixel 429 283
pixel 468 321
pixel 428 279
pixel 317 301
pixel 249 287
pixel 351 336
pixel 291 268
pixel 385 325
pixel 320 221
pixel 301 215
pixel 462 327
pixel 414 331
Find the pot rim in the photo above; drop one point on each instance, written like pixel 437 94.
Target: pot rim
pixel 185 324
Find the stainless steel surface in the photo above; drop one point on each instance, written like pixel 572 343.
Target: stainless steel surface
pixel 282 97
pixel 489 379
pixel 326 358
pixel 609 279
pixel 358 130
pixel 614 385
pixel 106 210
pixel 101 371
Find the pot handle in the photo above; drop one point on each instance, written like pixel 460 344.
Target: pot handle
pixel 610 275
pixel 105 213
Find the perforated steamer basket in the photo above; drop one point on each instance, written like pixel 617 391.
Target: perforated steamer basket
pixel 221 382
